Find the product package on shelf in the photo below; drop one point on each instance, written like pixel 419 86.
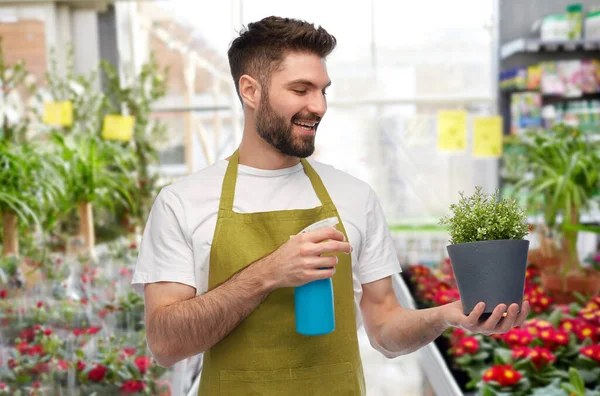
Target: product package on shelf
pixel 570 75
pixel 526 111
pixel 514 79
pixel 552 84
pixel 592 26
pixel 583 114
pixel 534 77
pixel 590 76
pixel 555 27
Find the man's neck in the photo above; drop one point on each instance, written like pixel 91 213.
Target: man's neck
pixel 256 153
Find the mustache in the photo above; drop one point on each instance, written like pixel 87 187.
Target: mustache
pixel 306 117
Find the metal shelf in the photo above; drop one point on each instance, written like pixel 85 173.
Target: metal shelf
pixel 524 45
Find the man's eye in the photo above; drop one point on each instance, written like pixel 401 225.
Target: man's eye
pixel 299 92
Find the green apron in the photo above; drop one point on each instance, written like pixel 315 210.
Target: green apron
pixel 264 355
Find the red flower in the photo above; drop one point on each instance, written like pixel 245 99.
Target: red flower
pixel 36 350
pixel 517 336
pixel 2 385
pixel 456 335
pixel 541 356
pixel 80 366
pixel 125 272
pixel 521 352
pixel 63 365
pixel 586 331
pixel 143 363
pixel 569 324
pixel 92 330
pixel 40 304
pixel 419 270
pixel 132 386
pixel 22 347
pixel 84 301
pixel 443 297
pixel 504 375
pixel 561 337
pixel 129 351
pixel 37 327
pixel 36 385
pixel 133 245
pixel 40 368
pixel 27 335
pixel 591 351
pixel 470 344
pixel 540 303
pixel 3 293
pixel 48 332
pixel 97 373
pixel 77 332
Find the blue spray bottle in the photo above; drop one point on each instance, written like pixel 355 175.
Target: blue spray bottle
pixel 313 302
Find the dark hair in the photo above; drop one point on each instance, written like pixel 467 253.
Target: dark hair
pixel 262 46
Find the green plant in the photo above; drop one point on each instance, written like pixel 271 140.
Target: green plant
pixel 97 172
pixel 563 166
pixel 483 217
pixel 31 184
pixel 135 98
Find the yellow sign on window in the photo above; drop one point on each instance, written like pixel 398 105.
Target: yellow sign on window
pixel 58 113
pixel 487 139
pixel 118 127
pixel 452 130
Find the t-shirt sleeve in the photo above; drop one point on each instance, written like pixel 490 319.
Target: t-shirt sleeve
pixel 165 253
pixel 378 258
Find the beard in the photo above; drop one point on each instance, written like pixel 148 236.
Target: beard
pixel 278 132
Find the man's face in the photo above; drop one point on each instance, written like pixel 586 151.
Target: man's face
pixel 291 108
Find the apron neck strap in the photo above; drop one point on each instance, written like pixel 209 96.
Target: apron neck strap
pixel 228 190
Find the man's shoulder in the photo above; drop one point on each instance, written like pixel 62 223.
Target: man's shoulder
pixel 334 177
pixel 198 183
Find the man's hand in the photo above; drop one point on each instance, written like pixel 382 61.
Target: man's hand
pixel 299 261
pixel 497 323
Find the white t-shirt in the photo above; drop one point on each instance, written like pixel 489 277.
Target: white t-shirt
pixel 177 239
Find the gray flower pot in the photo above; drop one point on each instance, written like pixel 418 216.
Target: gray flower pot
pixel 489 271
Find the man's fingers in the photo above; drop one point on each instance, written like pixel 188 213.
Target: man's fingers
pixel 324 234
pixel 332 246
pixel 523 314
pixel 490 324
pixel 507 322
pixel 475 314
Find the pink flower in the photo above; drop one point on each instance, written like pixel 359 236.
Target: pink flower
pixel 63 365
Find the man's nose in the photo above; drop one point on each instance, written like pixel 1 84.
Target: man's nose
pixel 318 104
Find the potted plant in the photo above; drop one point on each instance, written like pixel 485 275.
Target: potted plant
pixel 487 250
pixel 563 163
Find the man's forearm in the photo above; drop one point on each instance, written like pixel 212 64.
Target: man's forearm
pixel 192 326
pixel 408 330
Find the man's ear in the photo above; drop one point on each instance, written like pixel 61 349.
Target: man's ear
pixel 250 91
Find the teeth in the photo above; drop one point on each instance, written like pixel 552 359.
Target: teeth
pixel 308 125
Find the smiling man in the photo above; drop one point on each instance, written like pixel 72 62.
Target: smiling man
pixel 220 257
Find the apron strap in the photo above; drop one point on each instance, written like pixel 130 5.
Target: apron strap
pixel 228 190
pixel 317 183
